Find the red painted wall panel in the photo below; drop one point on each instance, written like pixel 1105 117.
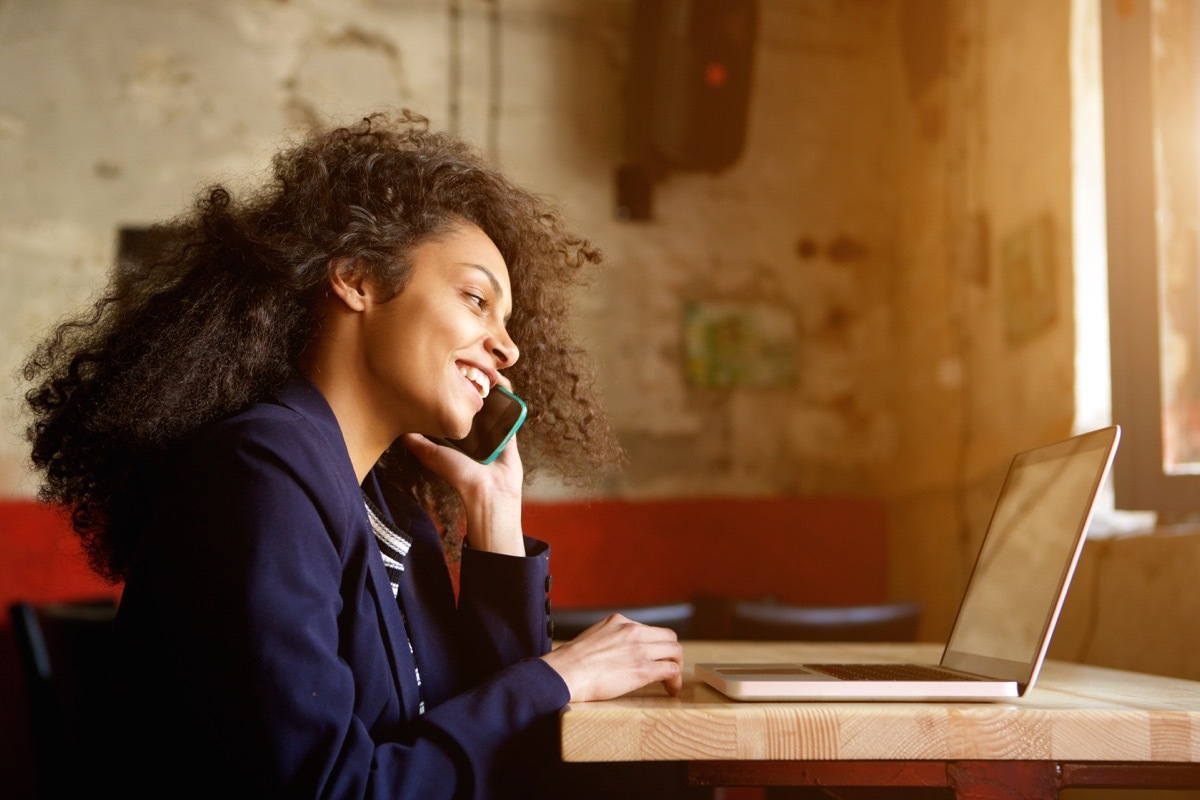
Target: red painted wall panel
pixel 40 559
pixel 828 550
pixel 821 550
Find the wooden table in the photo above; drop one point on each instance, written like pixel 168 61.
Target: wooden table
pixel 1079 726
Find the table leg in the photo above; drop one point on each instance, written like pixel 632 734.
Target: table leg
pixel 817 773
pixel 970 780
pixel 1000 780
pixel 1161 775
pixel 821 780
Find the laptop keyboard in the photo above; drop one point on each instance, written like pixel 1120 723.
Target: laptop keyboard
pixel 888 672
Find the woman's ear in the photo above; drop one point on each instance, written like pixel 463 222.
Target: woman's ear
pixel 348 283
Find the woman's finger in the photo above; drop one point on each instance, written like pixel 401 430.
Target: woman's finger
pixel 616 656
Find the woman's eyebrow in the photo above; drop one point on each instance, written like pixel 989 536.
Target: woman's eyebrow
pixel 491 276
pixel 495 283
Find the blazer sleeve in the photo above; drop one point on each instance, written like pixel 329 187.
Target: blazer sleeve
pixel 256 592
pixel 503 606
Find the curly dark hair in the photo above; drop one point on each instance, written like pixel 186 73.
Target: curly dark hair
pixel 220 318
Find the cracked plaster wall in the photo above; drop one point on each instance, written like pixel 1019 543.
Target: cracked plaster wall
pixel 116 114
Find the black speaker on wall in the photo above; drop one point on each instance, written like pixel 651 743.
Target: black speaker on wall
pixel 688 91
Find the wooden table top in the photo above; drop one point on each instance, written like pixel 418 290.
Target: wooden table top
pixel 1073 713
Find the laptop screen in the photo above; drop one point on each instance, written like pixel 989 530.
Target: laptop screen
pixel 1027 557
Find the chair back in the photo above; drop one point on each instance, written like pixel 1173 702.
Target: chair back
pixel 768 621
pixel 570 622
pixel 64 650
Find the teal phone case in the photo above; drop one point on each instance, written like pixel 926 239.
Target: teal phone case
pixel 466 445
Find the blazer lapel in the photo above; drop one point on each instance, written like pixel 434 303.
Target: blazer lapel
pixel 400 646
pixel 428 600
pixel 302 397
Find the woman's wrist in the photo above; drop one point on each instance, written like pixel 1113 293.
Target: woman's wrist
pixel 494 523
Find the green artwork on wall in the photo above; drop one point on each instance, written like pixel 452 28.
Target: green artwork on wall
pixel 739 345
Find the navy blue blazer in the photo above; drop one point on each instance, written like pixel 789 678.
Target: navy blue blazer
pixel 259 651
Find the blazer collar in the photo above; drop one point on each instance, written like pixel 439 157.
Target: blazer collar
pixel 300 395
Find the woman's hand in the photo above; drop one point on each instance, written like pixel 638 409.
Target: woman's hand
pixel 616 656
pixel 491 493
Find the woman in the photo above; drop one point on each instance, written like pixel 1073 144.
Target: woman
pixel 241 431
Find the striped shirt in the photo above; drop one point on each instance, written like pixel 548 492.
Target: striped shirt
pixel 394 546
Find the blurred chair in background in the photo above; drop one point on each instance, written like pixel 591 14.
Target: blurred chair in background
pixel 770 621
pixel 570 622
pixel 64 650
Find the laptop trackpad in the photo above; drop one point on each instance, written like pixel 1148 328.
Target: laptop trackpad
pixel 782 672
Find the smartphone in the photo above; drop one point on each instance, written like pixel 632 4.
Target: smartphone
pixel 502 413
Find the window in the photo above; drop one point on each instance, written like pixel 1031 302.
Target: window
pixel 1151 88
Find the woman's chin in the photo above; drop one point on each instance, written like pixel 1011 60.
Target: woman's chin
pixel 458 431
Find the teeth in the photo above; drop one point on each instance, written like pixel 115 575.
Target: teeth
pixel 478 378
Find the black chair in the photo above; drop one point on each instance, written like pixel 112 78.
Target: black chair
pixel 570 622
pixel 64 651
pixel 770 621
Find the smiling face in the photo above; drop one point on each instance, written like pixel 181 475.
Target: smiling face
pixel 432 352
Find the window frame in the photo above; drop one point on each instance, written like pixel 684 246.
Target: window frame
pixel 1140 481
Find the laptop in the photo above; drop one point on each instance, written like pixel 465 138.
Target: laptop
pixel 1010 606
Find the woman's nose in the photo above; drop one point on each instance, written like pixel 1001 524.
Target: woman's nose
pixel 504 349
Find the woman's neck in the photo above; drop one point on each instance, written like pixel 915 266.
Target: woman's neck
pixel 333 364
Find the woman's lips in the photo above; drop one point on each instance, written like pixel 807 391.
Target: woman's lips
pixel 477 377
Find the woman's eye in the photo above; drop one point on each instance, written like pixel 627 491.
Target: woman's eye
pixel 477 299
